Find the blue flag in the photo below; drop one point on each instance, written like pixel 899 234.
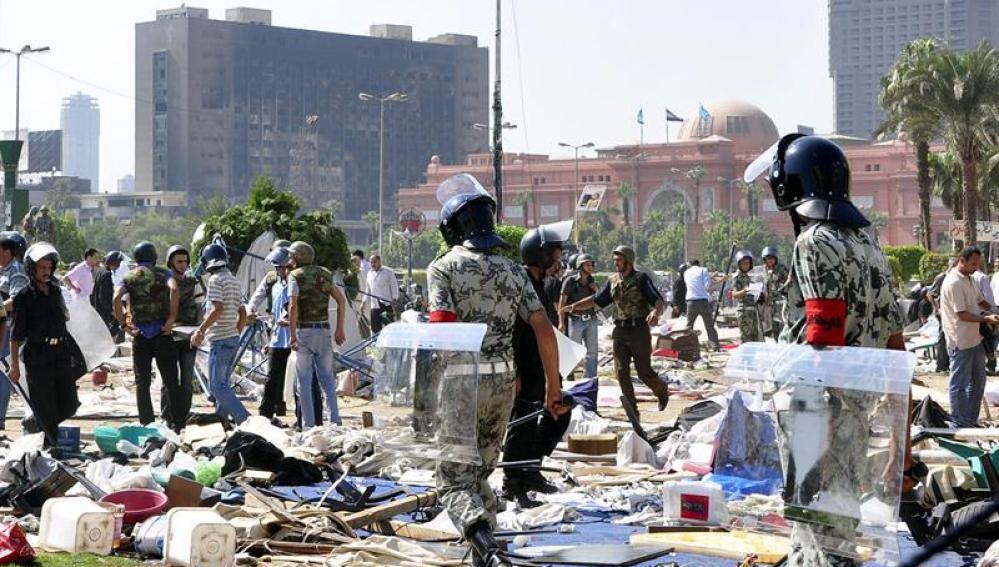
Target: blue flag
pixel 641 117
pixel 705 115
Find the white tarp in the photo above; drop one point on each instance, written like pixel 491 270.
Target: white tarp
pixel 253 267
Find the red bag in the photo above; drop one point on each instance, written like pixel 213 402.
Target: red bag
pixel 14 547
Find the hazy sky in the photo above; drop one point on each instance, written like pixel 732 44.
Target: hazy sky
pixel 582 70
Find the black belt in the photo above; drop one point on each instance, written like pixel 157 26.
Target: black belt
pixel 582 316
pixel 50 341
pixel 322 325
pixel 632 322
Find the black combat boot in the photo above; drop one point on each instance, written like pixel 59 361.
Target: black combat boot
pixel 537 482
pixel 515 488
pixel 486 551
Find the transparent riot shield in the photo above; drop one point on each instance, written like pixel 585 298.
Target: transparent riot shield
pixel 431 372
pixel 841 417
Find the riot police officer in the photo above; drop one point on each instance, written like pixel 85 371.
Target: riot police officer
pixel 540 249
pixel 52 359
pixel 191 296
pixel 840 293
pixel 153 301
pixel 750 329
pixel 773 301
pixel 472 282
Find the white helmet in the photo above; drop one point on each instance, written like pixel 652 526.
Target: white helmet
pixel 37 252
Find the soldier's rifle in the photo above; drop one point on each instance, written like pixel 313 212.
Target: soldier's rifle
pixel 728 269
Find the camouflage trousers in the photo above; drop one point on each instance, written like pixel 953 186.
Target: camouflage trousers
pixel 841 474
pixel 463 488
pixel 750 325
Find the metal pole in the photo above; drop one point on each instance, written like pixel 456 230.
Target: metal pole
pixel 575 197
pixel 381 171
pixel 498 124
pixel 17 99
pixel 721 293
pixel 409 263
pixel 634 202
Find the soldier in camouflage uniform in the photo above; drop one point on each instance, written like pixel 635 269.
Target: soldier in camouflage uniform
pixel 472 283
pixel 776 293
pixel 45 230
pixel 28 223
pixel 154 301
pixel 840 293
pixel 750 322
pixel 639 305
pixel 310 288
pixel 189 311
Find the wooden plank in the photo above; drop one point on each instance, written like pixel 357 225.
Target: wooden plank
pixel 729 545
pixel 390 509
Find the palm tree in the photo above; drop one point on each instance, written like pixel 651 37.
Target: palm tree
pixel 626 191
pixel 371 217
pixel 752 190
pixel 906 110
pixel 962 91
pixel 945 181
pixel 695 174
pixel 524 198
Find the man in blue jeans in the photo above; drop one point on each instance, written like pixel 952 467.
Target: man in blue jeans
pixel 582 326
pixel 962 312
pixel 310 288
pixel 225 319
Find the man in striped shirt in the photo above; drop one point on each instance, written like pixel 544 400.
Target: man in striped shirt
pixel 226 316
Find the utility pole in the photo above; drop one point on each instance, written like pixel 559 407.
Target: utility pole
pixel 498 122
pixel 394 97
pixel 575 186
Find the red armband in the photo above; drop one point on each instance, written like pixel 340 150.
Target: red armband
pixel 443 317
pixel 825 320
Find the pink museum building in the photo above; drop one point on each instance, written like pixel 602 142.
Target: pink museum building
pixel 883 173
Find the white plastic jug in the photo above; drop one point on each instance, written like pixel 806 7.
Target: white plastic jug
pixel 199 537
pixel 76 525
pixel 694 501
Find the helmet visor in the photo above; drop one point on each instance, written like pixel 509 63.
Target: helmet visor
pixel 761 164
pixel 460 184
pixel 557 232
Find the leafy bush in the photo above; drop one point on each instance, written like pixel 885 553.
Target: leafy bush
pixel 269 208
pixel 896 270
pixel 908 257
pixel 931 264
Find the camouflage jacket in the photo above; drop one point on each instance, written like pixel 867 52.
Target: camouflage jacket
pixel 628 295
pixel 742 281
pixel 315 284
pixel 149 293
pixel 480 287
pixel 189 312
pixel 776 280
pixel 45 229
pixel 834 262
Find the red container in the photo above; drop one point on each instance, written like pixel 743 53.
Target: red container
pixel 140 503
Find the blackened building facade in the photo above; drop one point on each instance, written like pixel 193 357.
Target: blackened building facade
pixel 220 102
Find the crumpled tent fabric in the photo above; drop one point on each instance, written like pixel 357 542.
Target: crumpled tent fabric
pixel 584 393
pixel 530 518
pixel 746 448
pixel 379 551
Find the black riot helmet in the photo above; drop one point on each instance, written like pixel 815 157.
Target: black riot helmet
pixel 468 214
pixel 17 242
pixel 538 246
pixel 145 252
pixel 810 175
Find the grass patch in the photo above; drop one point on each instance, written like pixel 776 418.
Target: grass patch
pixel 83 560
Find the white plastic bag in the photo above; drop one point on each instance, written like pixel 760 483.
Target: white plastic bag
pixel 633 450
pixel 88 330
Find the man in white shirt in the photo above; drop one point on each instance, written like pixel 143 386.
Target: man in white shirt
pixel 698 281
pixel 962 311
pixel 80 279
pixel 383 290
pixel 995 277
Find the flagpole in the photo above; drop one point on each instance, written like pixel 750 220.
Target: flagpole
pixel 667 125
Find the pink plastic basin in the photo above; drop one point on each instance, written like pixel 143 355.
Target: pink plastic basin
pixel 140 503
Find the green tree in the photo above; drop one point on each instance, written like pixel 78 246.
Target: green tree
pixel 270 208
pixel 962 91
pixel 721 231
pixel 931 264
pixel 908 258
pixel 426 246
pixel 945 181
pixel 626 191
pixel 511 233
pixel 69 239
pixel 665 248
pixel 907 110
pixel 695 174
pixel 524 199
pixel 752 191
pixel 371 217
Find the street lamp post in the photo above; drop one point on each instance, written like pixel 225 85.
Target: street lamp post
pixel 17 83
pixel 394 97
pixel 637 158
pixel 575 185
